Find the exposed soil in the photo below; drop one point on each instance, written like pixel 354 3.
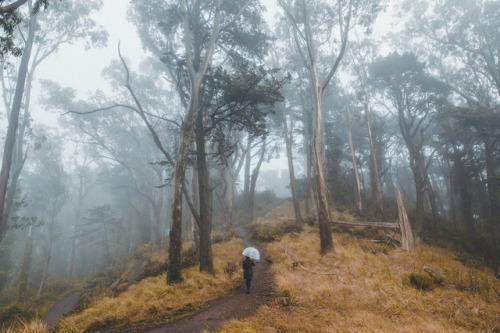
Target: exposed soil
pixel 61 308
pixel 238 304
pixel 235 306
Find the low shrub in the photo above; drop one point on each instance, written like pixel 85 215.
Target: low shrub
pixel 271 230
pixel 423 281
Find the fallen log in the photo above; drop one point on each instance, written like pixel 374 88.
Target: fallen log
pixel 388 225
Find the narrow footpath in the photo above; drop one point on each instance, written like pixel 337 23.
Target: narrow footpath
pixel 235 306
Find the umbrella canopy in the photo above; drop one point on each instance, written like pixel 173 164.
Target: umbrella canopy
pixel 251 252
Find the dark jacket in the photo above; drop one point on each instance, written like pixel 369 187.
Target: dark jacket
pixel 248 268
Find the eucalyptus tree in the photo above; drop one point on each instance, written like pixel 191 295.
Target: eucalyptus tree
pixel 100 224
pixel 47 184
pixel 10 18
pixel 192 32
pixel 65 22
pixel 360 55
pixel 242 102
pixel 81 164
pixel 460 41
pixel 415 97
pixel 117 137
pixel 313 25
pixel 288 131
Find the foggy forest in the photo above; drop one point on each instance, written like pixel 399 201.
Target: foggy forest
pixel 354 143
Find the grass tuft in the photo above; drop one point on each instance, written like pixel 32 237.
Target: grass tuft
pixel 151 302
pixel 376 298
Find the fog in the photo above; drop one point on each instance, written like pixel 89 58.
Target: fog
pixel 133 127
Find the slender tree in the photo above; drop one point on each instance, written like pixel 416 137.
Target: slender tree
pixel 311 23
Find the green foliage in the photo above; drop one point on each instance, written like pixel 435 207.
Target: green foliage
pixel 423 281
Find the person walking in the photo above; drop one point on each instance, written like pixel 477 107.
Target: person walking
pixel 248 265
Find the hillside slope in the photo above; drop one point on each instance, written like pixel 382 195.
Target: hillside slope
pixel 386 290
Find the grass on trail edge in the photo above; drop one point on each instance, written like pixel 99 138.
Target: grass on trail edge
pixel 151 302
pixel 379 296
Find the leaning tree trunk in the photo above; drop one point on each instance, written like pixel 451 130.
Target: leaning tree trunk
pixel 295 199
pixel 10 138
pixel 205 196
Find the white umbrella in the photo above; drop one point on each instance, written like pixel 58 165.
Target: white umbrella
pixel 251 252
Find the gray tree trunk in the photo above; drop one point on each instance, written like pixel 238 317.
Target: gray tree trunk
pixel 10 138
pixel 295 200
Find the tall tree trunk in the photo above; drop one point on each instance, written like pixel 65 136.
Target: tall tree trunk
pixel 464 190
pixel 376 186
pixel 233 176
pixel 295 199
pixel 310 198
pixel 222 198
pixel 431 195
pixel 493 188
pixel 451 193
pixel 246 176
pixel 48 257
pixel 157 203
pixel 323 211
pixel 10 138
pixel 175 246
pixel 253 182
pixel 24 271
pixel 354 162
pixel 195 230
pixel 205 190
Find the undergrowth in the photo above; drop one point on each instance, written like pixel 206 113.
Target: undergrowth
pixel 151 302
pixel 385 291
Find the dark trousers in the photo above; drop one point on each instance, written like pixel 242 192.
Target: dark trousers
pixel 249 281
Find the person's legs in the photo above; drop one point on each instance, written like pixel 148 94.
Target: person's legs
pixel 249 281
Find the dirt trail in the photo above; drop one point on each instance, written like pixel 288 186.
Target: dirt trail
pixel 235 306
pixel 62 308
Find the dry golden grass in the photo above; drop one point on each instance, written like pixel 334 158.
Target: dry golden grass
pixel 34 326
pixel 376 298
pixel 152 301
